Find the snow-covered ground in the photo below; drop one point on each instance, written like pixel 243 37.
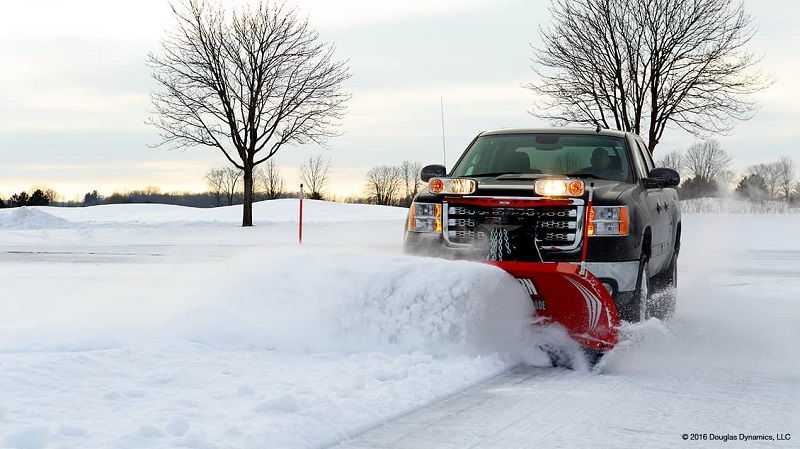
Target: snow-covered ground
pixel 147 326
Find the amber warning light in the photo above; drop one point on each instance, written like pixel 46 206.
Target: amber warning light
pixel 455 186
pixel 559 187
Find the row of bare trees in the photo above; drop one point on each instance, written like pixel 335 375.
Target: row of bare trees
pixel 707 169
pixel 268 183
pixel 773 180
pixel 393 185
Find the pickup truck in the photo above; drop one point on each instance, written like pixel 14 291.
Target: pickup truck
pixel 633 232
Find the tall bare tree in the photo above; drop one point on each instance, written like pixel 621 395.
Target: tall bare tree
pixel 786 175
pixel 771 174
pixel 410 172
pixel 706 160
pixel 270 180
pixel 314 174
pixel 384 184
pixel 641 65
pixel 215 178
pixel 231 178
pixel 246 83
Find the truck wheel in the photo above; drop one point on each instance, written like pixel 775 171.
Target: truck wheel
pixel 666 291
pixel 636 310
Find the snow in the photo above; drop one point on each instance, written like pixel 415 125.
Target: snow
pixel 149 326
pixel 277 211
pixel 734 205
pixel 29 218
pixel 172 330
pixel 727 363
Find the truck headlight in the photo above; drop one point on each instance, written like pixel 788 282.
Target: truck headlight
pixel 425 217
pixel 608 221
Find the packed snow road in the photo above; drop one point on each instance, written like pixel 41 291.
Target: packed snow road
pixel 157 326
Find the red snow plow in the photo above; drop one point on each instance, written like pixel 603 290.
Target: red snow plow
pixel 575 298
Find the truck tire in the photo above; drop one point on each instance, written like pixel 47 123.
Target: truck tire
pixel 635 310
pixel 665 289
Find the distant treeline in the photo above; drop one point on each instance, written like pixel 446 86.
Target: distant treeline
pixel 37 197
pixel 205 199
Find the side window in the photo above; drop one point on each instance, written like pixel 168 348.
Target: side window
pixel 638 160
pixel 648 159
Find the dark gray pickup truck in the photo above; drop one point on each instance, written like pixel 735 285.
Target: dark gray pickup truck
pixel 634 226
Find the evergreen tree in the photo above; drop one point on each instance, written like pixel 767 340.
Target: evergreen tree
pixel 19 199
pixel 92 198
pixel 39 198
pixel 698 187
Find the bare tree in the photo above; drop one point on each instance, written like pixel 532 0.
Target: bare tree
pixel 215 179
pixel 245 82
pixel 673 160
pixel 409 172
pixel 231 178
pixel 314 174
pixel 786 175
pixel 706 160
pixel 641 65
pixel 270 180
pixel 384 184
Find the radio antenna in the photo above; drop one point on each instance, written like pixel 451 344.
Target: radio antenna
pixel 444 144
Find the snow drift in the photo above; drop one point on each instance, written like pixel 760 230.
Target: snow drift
pixel 30 218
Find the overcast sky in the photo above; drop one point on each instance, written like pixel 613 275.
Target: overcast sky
pixel 75 89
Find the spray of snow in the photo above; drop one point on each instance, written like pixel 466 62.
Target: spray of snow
pixel 320 302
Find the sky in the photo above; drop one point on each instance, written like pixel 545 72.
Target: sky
pixel 76 90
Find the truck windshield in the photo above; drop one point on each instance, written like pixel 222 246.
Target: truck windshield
pixel 580 155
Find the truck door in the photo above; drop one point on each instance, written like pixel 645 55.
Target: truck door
pixel 657 205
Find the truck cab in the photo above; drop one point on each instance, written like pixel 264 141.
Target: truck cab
pixel 508 198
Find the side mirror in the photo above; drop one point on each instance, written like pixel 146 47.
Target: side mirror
pixel 666 177
pixel 432 171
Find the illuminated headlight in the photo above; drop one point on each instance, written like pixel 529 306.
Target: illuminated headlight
pixel 559 187
pixel 608 221
pixel 457 186
pixel 425 217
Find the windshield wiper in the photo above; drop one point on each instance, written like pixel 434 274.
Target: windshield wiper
pixel 494 175
pixel 584 175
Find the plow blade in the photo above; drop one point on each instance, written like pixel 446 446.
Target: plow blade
pixel 574 298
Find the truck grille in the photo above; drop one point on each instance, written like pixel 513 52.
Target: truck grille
pixel 550 227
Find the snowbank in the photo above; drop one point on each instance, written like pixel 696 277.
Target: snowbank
pixel 274 211
pixel 29 218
